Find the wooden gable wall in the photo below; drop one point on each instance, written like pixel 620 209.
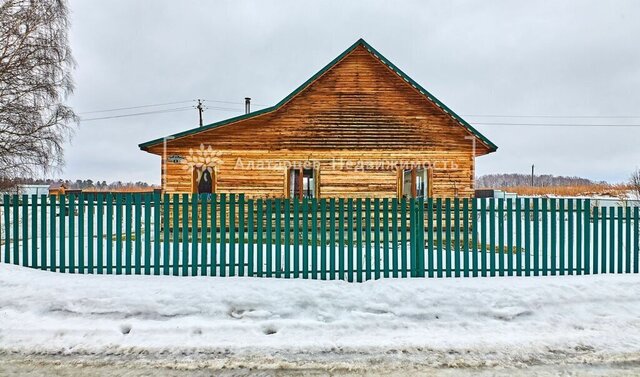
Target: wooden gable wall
pixel 358 110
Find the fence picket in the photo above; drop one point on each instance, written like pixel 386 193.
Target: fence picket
pixel 431 252
pixel 570 231
pixel 232 234
pixel 545 239
pixel 99 233
pixel 43 234
pixel 612 240
pixel 359 254
pixel 394 253
pixel 15 252
pixel 456 227
pixel 52 234
pixel 586 250
pixel 483 237
pixel 184 234
pixel 402 262
pixel 562 251
pixel 332 238
pixel 214 255
pixel 597 268
pixel 108 232
pixel 467 235
pixel 501 235
pixel 251 240
pixel 627 244
pixel 519 249
pixel 350 245
pixel 619 238
pixel 367 239
pixel 195 217
pixel 492 236
pixel 323 240
pixel 128 233
pixel 305 238
pixel 204 231
pixel 447 238
pixel 156 233
pixel 553 230
pixel 260 243
pixel 341 240
pixel 579 232
pixel 7 227
pixel 269 253
pixel 25 229
pixel 223 237
pixel 296 237
pixel 527 237
pixel 34 232
pixel 636 232
pixel 175 230
pixel 63 226
pixel 314 238
pixel 241 240
pixel 119 233
pixel 510 250
pixel 166 236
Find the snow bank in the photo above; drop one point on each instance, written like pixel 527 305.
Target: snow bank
pixel 467 321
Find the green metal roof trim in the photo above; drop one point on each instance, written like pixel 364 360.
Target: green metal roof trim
pixel 359 42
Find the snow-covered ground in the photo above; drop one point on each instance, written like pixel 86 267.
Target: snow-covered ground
pixel 273 323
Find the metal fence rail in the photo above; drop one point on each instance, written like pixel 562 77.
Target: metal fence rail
pixel 350 239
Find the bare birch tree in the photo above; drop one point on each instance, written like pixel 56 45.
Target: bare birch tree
pixel 634 184
pixel 35 79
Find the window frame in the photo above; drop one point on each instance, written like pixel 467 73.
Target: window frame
pixel 194 181
pixel 316 182
pixel 414 190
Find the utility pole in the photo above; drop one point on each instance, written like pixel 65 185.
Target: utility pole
pixel 200 110
pixel 532 171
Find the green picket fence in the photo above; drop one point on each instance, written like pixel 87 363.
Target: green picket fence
pixel 350 239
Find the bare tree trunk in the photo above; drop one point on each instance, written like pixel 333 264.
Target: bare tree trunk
pixel 634 184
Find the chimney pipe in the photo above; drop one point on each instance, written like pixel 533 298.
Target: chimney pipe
pixel 247 105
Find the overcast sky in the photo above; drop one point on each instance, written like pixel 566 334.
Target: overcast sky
pixel 523 58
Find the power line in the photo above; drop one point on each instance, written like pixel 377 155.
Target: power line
pixel 138 114
pixel 234 103
pixel 135 107
pixel 558 116
pixel 554 124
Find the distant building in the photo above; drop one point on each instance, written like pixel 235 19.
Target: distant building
pixel 57 188
pixel 30 189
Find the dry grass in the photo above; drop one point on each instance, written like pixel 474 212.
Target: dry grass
pixel 612 190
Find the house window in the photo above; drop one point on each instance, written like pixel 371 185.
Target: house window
pixel 203 181
pixel 414 183
pixel 302 183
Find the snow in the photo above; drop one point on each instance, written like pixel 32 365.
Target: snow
pixel 254 321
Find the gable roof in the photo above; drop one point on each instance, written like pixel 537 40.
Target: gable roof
pixel 377 55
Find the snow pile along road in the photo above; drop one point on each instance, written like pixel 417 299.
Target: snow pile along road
pixel 252 321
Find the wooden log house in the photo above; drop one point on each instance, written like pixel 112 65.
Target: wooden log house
pixel 358 128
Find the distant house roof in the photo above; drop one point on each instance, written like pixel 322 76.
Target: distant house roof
pixel 376 54
pixel 57 186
